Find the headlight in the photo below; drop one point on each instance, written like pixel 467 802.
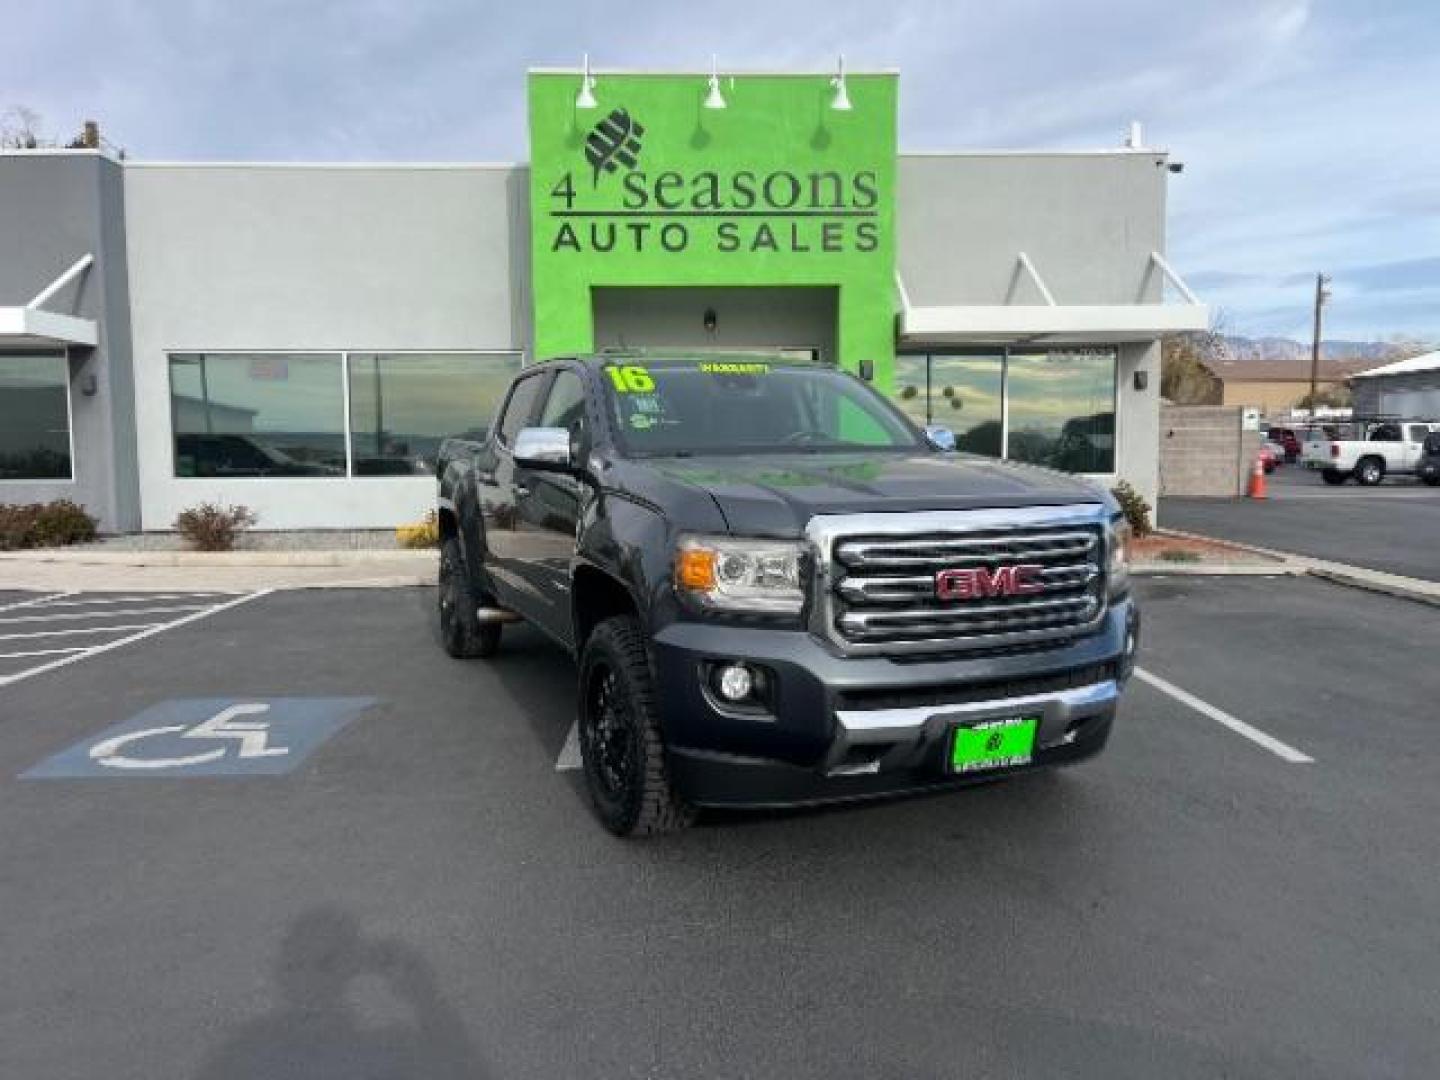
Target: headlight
pixel 1118 568
pixel 730 574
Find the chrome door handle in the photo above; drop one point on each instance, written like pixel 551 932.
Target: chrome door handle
pixel 521 491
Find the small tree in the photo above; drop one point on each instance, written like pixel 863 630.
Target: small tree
pixel 20 129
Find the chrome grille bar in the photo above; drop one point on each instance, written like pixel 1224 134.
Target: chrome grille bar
pixel 876 578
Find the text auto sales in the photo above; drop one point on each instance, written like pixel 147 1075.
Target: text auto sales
pixel 823 212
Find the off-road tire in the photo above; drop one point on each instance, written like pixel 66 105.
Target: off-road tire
pixel 1369 471
pixel 1333 476
pixel 629 785
pixel 462 634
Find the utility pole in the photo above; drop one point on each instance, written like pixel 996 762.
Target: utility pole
pixel 1322 293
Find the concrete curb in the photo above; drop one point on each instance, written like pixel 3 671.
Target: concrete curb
pixel 1159 569
pixel 1355 577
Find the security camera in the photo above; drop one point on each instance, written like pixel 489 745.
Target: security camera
pixel 1176 167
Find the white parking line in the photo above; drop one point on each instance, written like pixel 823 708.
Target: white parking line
pixel 570 753
pixel 40 652
pixel 144 632
pixel 35 600
pixel 1220 716
pixel 125 613
pixel 146 598
pixel 81 630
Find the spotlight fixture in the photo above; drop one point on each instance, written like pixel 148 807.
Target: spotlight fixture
pixel 585 99
pixel 841 101
pixel 714 99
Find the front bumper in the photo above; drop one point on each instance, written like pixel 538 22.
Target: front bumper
pixel 845 728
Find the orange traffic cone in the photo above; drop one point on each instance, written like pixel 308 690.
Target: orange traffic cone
pixel 1257 480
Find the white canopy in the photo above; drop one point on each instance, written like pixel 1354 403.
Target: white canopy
pixel 33 327
pixel 1051 321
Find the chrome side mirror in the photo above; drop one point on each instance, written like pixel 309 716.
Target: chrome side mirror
pixel 545 449
pixel 941 438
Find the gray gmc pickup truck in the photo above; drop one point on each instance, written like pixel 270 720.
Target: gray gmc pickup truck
pixel 778 590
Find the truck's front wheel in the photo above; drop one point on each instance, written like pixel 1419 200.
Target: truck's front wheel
pixel 460 631
pixel 1370 471
pixel 621 743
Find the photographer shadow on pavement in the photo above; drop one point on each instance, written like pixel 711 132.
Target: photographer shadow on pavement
pixel 333 981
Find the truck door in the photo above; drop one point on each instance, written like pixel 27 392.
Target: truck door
pixel 548 509
pixel 495 486
pixel 1414 440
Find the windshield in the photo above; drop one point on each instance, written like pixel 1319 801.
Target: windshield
pixel 733 406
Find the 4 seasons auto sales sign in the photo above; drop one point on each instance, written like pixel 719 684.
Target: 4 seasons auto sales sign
pixel 650 188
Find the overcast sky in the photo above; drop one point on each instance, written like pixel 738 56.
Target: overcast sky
pixel 1310 132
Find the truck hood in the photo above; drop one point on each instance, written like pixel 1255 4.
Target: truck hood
pixel 776 495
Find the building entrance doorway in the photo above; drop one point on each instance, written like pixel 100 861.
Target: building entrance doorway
pixel 799 321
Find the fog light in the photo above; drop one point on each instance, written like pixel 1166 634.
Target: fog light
pixel 736 682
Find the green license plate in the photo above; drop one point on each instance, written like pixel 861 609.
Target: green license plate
pixel 993 744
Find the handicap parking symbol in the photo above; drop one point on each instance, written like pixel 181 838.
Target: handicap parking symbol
pixel 206 737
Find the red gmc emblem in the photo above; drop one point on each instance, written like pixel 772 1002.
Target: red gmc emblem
pixel 973 584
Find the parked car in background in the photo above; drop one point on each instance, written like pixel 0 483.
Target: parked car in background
pixel 1368 450
pixel 1271 455
pixel 1428 467
pixel 1289 441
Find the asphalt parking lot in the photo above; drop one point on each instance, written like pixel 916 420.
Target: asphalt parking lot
pixel 397 880
pixel 1394 527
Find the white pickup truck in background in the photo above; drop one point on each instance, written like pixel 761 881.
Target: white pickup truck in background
pixel 1367 450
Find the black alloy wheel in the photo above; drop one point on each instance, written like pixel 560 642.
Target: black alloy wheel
pixel 621 743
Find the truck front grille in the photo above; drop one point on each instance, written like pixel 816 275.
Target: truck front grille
pixel 883 595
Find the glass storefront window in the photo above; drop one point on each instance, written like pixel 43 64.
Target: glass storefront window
pixel 258 414
pixel 965 396
pixel 912 387
pixel 1062 409
pixel 403 405
pixel 35 417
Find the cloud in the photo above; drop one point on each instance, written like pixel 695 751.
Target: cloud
pixel 1302 126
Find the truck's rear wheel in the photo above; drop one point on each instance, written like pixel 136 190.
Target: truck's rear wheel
pixel 1333 476
pixel 621 744
pixel 1369 471
pixel 462 634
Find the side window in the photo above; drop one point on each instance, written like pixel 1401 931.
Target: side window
pixel 1417 432
pixel 1386 433
pixel 520 407
pixel 565 407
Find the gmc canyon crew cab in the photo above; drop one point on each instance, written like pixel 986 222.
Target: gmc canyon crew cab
pixel 1368 451
pixel 778 591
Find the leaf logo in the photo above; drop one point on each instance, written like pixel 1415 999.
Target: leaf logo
pixel 613 142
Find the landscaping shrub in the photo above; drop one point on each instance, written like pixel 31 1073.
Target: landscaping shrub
pixel 1179 555
pixel 1134 506
pixel 423 534
pixel 52 524
pixel 211 527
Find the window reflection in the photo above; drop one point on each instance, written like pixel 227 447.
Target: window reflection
pixel 34 417
pixel 257 414
pixel 965 396
pixel 912 387
pixel 403 405
pixel 1062 409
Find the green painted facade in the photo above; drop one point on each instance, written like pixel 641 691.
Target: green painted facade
pixel 650 188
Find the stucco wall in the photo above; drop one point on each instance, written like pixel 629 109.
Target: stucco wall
pixel 54 208
pixel 1271 395
pixel 1088 222
pixel 316 258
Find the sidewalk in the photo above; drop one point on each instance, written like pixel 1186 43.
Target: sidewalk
pixel 1359 577
pixel 91 570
